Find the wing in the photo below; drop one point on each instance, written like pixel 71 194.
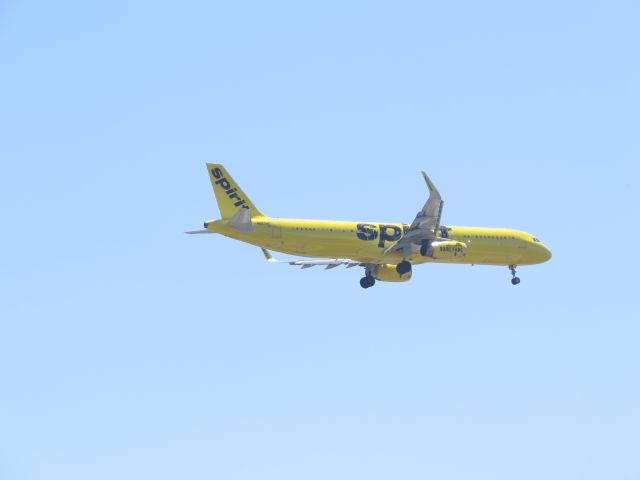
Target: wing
pixel 328 264
pixel 425 225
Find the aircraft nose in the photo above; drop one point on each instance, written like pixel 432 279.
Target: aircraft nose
pixel 545 253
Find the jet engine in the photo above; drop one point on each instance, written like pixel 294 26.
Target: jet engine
pixel 387 273
pixel 445 249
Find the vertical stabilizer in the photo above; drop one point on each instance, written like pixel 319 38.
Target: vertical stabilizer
pixel 229 195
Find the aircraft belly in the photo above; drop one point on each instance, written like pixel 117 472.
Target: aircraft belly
pixel 490 255
pixel 331 248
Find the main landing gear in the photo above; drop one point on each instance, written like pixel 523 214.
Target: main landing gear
pixel 403 267
pixel 367 281
pixel 515 280
pixel 426 250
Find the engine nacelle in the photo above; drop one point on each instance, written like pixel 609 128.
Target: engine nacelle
pixel 388 273
pixel 445 250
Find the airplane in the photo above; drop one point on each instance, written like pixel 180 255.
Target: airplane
pixel 387 251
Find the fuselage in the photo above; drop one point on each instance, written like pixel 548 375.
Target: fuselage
pixel 367 241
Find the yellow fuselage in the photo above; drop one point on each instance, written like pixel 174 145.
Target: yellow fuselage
pixel 366 242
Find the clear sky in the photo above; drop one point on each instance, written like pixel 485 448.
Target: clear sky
pixel 129 350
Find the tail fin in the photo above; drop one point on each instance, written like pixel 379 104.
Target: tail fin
pixel 229 195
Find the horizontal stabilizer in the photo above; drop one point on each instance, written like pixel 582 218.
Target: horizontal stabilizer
pixel 196 232
pixel 268 256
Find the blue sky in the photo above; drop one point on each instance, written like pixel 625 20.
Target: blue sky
pixel 130 350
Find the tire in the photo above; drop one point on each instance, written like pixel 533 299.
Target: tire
pixel 426 251
pixel 403 267
pixel 367 282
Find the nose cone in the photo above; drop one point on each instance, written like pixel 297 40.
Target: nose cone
pixel 544 253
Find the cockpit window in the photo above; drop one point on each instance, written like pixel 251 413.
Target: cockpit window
pixel 536 240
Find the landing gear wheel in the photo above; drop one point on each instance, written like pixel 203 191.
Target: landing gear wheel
pixel 515 280
pixel 403 267
pixel 367 282
pixel 426 250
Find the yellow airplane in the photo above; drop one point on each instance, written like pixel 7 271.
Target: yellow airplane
pixel 387 251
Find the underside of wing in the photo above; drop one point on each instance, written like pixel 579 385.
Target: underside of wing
pixel 328 264
pixel 425 225
pixel 429 217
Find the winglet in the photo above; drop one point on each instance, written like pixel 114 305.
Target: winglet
pixel 430 184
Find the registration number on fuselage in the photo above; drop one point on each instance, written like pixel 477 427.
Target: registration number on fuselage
pixel 451 249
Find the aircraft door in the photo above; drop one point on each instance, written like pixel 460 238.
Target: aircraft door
pixel 276 232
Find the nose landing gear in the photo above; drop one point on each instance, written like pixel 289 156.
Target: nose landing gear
pixel 515 280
